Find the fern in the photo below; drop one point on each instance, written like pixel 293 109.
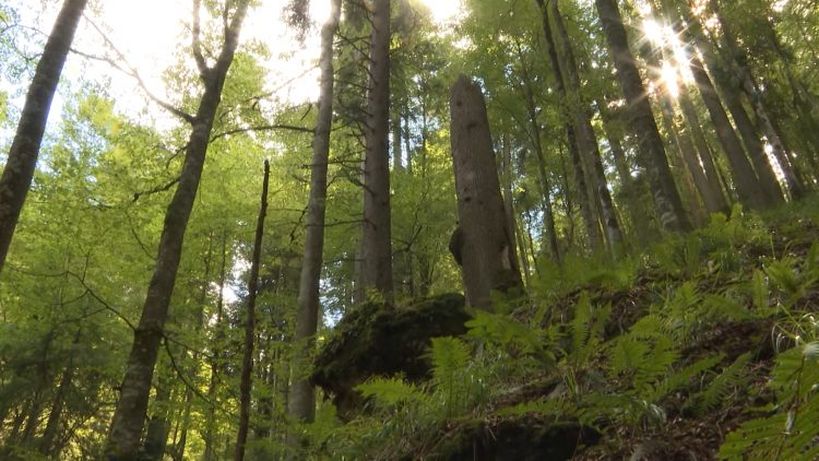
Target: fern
pixel 791 432
pixel 390 392
pixel 720 387
pixel 682 378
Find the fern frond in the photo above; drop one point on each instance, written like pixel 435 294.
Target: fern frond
pixel 682 378
pixel 720 387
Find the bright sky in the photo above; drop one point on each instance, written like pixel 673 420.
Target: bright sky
pixel 150 32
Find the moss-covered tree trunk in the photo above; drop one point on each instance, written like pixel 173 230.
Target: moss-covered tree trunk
pixel 482 242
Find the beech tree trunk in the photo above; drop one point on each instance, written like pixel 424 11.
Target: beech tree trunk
pixel 652 153
pixel 482 241
pixel 302 401
pixel 246 384
pixel 376 246
pixel 587 139
pixel 25 148
pixel 129 416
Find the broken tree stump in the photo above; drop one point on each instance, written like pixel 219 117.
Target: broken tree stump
pixel 481 244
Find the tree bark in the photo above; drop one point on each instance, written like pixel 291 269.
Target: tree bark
pixel 482 239
pixel 587 139
pixel 25 148
pixel 652 153
pixel 376 246
pixel 302 402
pixel 246 384
pixel 129 416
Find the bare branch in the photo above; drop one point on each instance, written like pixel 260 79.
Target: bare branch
pixel 132 72
pixel 262 128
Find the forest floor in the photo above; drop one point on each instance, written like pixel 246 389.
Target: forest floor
pixel 705 346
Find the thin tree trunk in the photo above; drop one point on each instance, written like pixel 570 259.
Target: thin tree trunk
pixel 585 193
pixel 704 150
pixel 587 139
pixel 746 182
pixel 376 246
pixel 245 387
pixel 535 134
pixel 129 417
pixel 156 437
pixel 748 85
pixel 664 193
pixel 55 415
pixel 302 402
pixel 397 164
pixel 25 148
pixel 210 420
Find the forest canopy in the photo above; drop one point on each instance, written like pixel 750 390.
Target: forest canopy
pixel 409 229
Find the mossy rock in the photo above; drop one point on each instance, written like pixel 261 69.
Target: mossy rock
pixel 381 340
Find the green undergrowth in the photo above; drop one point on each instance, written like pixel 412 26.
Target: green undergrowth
pixel 705 346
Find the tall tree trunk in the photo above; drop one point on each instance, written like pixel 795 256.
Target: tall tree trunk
pixel 550 231
pixel 216 352
pixel 245 387
pixel 746 182
pixel 302 402
pixel 748 86
pixel 129 417
pixel 664 193
pixel 508 201
pixel 156 437
pixel 376 246
pixel 584 191
pixel 481 244
pixel 25 148
pixel 54 421
pixel 690 173
pixel 397 155
pixel 587 139
pixel 704 152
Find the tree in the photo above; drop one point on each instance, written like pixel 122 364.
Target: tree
pixel 246 384
pixel 302 401
pixel 664 192
pixel 376 245
pixel 585 133
pixel 22 160
pixel 129 417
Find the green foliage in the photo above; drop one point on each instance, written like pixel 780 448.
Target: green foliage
pixel 790 429
pixel 721 387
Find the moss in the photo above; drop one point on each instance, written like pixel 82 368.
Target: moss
pixel 380 340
